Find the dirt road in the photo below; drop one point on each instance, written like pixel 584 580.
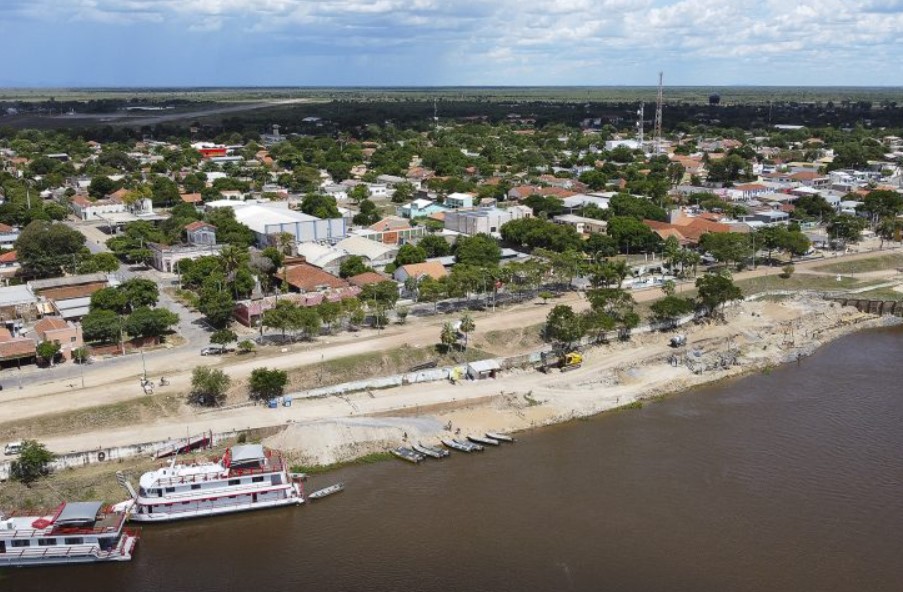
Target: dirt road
pixel 120 383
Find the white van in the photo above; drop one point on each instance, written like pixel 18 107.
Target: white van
pixel 12 448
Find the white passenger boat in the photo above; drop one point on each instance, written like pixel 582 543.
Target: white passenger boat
pixel 76 532
pixel 248 477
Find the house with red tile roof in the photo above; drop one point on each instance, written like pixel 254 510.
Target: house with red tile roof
pixel 56 330
pixel 432 269
pixel 368 277
pixel 9 264
pixel 304 278
pixel 16 349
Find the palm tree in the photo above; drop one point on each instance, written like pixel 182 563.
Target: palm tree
pixel 448 336
pixel 467 326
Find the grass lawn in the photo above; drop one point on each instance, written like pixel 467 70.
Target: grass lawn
pixel 797 282
pixel 889 261
pixel 881 294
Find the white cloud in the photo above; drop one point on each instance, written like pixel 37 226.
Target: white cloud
pixel 586 40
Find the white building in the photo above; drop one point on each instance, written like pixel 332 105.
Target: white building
pixel 274 218
pixel 484 220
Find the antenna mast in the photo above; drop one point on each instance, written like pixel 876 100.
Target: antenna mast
pixel 657 134
pixel 436 113
pixel 639 125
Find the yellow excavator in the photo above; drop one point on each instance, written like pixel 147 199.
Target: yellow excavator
pixel 562 360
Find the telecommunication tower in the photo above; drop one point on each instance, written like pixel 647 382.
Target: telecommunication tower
pixel 657 133
pixel 639 125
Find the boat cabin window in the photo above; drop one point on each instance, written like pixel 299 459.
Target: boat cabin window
pixel 234 481
pixel 257 479
pixel 142 492
pixel 74 541
pixel 46 542
pixel 21 543
pixel 2 546
pixel 170 489
pixel 196 486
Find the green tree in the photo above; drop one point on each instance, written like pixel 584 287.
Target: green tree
pixel 631 234
pixel 266 384
pixel 112 299
pixel 403 192
pixel 45 249
pixel 726 247
pixel 467 326
pixel 80 355
pixel 715 290
pixel 150 322
pixel 409 254
pixel 140 292
pixel 217 305
pixel 448 336
pixel 385 293
pixel 846 228
pixel 105 262
pixel 402 313
pixel 283 316
pixel 47 351
pixel 329 312
pixel 208 386
pixel 223 337
pixel 245 346
pixel 564 326
pixel 480 250
pixel 321 206
pixel 101 186
pixel 367 213
pixel 308 322
pixel 31 463
pixel 102 325
pixel 435 246
pixel 670 308
pixel 352 266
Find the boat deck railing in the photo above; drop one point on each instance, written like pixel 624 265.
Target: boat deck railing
pixel 62 552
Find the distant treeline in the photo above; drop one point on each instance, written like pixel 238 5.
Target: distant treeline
pixel 353 116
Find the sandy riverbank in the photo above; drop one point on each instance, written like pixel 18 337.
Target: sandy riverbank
pixel 757 335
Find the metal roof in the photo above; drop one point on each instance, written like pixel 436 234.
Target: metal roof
pixel 78 513
pixel 247 453
pixel 72 280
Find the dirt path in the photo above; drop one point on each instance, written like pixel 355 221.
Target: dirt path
pixel 611 375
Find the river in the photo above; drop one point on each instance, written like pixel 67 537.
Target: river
pixel 786 480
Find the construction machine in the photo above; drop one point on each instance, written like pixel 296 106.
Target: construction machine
pixel 563 360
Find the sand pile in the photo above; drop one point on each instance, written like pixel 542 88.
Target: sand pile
pixel 331 441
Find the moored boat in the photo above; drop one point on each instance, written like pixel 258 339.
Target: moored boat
pixel 247 477
pixel 321 493
pixel 471 446
pixel 455 445
pixel 483 440
pixel 431 451
pixel 408 454
pixel 499 437
pixel 75 532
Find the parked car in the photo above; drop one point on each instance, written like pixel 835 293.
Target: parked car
pixel 213 350
pixel 12 448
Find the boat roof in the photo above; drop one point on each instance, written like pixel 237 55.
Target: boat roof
pixel 78 513
pixel 247 453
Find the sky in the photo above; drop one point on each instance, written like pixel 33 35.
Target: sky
pixel 89 43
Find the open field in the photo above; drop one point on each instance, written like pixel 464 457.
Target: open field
pixel 891 261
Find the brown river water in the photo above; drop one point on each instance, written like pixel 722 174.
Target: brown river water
pixel 789 480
